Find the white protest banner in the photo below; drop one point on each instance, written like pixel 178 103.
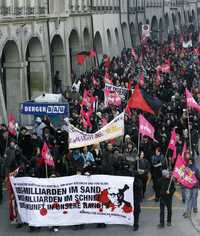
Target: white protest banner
pixel 78 138
pixel 74 200
pixel 122 92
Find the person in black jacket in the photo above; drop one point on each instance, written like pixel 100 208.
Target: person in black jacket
pixel 137 200
pixel 167 189
pixel 108 160
pixel 143 168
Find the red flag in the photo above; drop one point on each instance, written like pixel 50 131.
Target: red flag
pixel 145 128
pixel 46 155
pixel 11 125
pixel 137 101
pixel 80 59
pixel 190 101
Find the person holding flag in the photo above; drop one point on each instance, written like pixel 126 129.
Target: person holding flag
pixel 191 191
pixel 166 195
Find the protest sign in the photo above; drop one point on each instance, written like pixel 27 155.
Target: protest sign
pixel 78 138
pixel 74 200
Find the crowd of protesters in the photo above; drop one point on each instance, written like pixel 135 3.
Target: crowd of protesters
pixel 121 156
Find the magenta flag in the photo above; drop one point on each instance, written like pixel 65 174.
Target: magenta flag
pixel 172 142
pixel 183 174
pixel 133 53
pixel 46 155
pixel 145 128
pixel 190 101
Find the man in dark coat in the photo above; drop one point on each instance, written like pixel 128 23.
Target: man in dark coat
pixel 137 200
pixel 108 160
pixel 167 189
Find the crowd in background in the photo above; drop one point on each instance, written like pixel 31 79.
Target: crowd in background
pixel 120 156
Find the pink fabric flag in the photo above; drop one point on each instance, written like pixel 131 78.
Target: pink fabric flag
pixel 11 125
pixel 172 142
pixel 145 128
pixel 182 173
pixel 133 53
pixel 46 155
pixel 190 101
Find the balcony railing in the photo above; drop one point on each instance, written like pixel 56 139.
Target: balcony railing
pixel 18 11
pixel 22 11
pixel 5 11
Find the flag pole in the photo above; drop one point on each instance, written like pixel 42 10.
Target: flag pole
pixel 138 150
pixel 46 169
pixel 189 133
pixel 170 183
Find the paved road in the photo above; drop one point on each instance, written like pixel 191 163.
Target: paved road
pixel 149 221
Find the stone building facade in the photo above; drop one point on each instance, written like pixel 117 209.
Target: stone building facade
pixel 39 37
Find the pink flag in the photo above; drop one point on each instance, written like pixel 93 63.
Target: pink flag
pixel 190 101
pixel 133 53
pixel 11 125
pixel 145 128
pixel 46 155
pixel 183 174
pixel 172 142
